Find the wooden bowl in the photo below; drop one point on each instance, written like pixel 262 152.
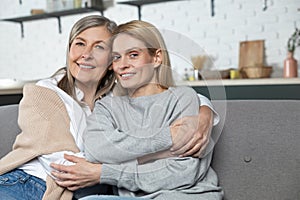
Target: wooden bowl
pixel 258 72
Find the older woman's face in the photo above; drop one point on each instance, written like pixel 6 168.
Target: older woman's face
pixel 89 56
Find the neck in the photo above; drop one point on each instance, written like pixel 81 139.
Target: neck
pixel 147 90
pixel 89 100
pixel 89 92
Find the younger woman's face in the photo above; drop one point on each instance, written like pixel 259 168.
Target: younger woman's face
pixel 133 65
pixel 89 56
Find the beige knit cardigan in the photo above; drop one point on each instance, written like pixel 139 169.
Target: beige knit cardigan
pixel 45 126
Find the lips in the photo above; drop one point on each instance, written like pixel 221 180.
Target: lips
pixel 87 66
pixel 127 75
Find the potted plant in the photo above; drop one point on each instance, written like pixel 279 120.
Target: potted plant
pixel 290 63
pixel 294 41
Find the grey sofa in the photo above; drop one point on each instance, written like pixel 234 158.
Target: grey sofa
pixel 257 155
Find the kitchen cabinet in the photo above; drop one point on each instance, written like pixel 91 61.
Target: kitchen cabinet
pixel 8 99
pixel 250 92
pixel 268 88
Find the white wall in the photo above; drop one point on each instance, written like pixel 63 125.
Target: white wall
pixel 190 31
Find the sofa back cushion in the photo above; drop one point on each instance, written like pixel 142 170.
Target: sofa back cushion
pixel 9 128
pixel 258 153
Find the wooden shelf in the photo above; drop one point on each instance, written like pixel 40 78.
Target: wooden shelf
pixel 140 3
pixel 144 2
pixel 56 14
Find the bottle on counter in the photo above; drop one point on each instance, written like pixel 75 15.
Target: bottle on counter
pixel 290 69
pixel 186 75
pixel 191 74
pixel 77 3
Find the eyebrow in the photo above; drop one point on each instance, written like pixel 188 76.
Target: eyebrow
pixel 97 41
pixel 131 49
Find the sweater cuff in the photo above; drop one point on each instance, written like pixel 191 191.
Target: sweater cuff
pixel 112 173
pixel 162 141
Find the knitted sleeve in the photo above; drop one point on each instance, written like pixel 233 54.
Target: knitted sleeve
pixel 44 122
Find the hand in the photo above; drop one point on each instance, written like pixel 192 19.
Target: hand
pixel 190 135
pixel 79 175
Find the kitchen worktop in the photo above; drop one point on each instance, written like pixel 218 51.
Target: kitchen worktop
pixel 13 86
pixel 240 82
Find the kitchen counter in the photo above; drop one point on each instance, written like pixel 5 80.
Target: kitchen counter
pixel 240 82
pixel 12 86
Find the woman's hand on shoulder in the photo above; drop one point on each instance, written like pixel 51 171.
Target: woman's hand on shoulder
pixel 79 175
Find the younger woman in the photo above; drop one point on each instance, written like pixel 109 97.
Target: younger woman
pixel 149 104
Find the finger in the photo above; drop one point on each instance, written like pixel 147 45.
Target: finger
pixel 73 188
pixel 183 149
pixel 197 151
pixel 61 168
pixel 65 184
pixel 177 145
pixel 58 175
pixel 62 176
pixel 178 122
pixel 192 152
pixel 196 147
pixel 72 158
pixel 187 144
pixel 197 155
pixel 203 149
pixel 181 139
pixel 177 140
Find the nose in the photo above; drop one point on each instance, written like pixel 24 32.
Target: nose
pixel 87 53
pixel 123 63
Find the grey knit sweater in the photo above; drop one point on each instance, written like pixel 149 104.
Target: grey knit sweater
pixel 145 121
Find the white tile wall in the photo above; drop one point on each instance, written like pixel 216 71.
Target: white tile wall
pixel 190 30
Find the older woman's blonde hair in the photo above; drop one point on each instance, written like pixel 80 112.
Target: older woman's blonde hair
pixel 153 40
pixel 67 83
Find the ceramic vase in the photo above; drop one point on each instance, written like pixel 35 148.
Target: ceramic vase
pixel 290 69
